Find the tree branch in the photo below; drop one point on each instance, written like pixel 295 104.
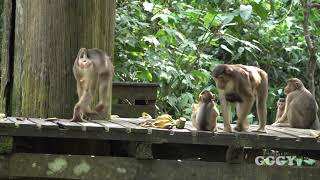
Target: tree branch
pixel 315 5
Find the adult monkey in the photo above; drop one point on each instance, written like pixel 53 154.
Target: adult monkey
pixel 301 107
pixel 242 85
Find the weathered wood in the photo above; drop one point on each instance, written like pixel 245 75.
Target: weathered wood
pixel 44 125
pixel 6 62
pixel 85 167
pixel 128 129
pixel 6 123
pixel 22 122
pixel 4 167
pixel 68 125
pixel 110 127
pixel 48 35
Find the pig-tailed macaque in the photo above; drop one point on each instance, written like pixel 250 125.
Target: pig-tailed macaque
pixel 204 115
pixel 280 107
pixel 92 68
pixel 242 85
pixel 300 109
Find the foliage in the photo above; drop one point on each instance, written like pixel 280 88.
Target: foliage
pixel 178 42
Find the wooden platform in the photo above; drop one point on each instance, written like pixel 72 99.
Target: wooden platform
pixel 122 149
pixel 128 129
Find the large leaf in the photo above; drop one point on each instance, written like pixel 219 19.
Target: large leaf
pixel 245 11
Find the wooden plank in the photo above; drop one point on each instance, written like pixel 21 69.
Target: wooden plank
pixel 68 125
pixel 21 122
pixel 299 136
pixel 44 125
pixel 131 127
pixel 91 126
pixel 123 168
pixel 6 123
pixel 151 130
pixel 110 127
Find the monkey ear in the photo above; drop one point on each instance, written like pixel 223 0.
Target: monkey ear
pixel 297 85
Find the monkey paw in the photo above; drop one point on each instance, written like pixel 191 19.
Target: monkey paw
pixel 240 128
pixel 227 130
pixel 76 119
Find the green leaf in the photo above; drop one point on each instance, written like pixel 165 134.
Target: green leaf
pixel 151 39
pixel 260 11
pixel 210 21
pixel 245 11
pixel 226 48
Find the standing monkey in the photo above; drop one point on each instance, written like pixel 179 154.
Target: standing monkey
pixel 280 108
pixel 301 107
pixel 204 116
pixel 242 85
pixel 91 68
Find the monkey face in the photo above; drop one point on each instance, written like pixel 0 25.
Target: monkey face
pixel 84 63
pixel 280 105
pixel 292 85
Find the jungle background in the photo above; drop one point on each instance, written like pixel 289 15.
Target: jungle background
pixel 178 43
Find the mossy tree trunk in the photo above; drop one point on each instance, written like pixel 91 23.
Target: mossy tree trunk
pixel 47 37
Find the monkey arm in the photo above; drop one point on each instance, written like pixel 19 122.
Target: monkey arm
pixel 284 117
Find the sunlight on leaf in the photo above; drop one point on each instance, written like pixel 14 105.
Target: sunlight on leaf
pixel 226 48
pixel 245 11
pixel 147 6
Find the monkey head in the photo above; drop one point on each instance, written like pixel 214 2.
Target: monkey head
pixel 222 75
pixel 292 85
pixel 281 103
pixel 206 96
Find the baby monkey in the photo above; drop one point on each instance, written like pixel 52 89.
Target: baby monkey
pixel 280 107
pixel 204 115
pixel 92 68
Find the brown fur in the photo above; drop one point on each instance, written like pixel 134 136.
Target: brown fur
pixel 204 115
pixel 242 85
pixel 301 107
pixel 92 67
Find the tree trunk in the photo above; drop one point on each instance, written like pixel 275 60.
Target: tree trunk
pixel 48 35
pixel 310 45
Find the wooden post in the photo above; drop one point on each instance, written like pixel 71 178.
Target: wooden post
pixel 47 37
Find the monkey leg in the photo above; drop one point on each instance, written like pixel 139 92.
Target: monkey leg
pixel 243 110
pixel 77 116
pixel 226 115
pixel 104 81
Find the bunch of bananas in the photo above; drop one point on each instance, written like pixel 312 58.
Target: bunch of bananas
pixel 164 121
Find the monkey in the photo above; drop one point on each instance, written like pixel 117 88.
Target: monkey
pixel 92 68
pixel 204 115
pixel 280 107
pixel 242 85
pixel 300 109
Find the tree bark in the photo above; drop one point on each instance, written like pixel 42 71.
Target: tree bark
pixel 6 65
pixel 310 45
pixel 48 35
